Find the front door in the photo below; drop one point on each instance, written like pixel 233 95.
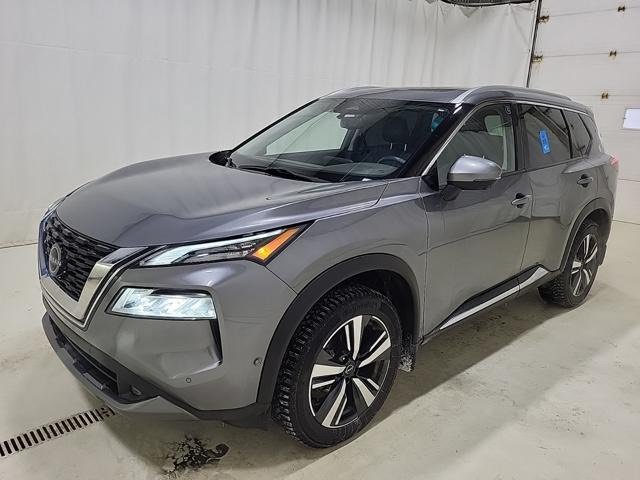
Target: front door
pixel 477 238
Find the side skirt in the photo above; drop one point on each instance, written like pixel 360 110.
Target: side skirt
pixel 531 278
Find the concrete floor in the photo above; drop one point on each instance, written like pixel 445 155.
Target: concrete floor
pixel 525 391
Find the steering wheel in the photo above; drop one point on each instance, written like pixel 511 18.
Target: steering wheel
pixel 392 160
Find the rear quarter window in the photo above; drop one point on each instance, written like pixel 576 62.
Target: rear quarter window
pixel 547 135
pixel 596 142
pixel 580 136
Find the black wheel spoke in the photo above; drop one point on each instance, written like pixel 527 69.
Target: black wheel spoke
pixel 578 284
pixel 380 348
pixel 363 389
pixel 331 410
pixel 358 402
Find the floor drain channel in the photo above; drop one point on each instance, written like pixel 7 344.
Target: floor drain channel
pixel 53 430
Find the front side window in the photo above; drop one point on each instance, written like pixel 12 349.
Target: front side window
pixel 547 135
pixel 488 133
pixel 344 139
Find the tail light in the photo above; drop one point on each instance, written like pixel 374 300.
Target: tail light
pixel 615 163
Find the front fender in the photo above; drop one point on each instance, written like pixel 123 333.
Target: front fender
pixel 309 295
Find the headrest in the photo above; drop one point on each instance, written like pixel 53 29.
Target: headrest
pixel 395 130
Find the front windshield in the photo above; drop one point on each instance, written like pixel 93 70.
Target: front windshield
pixel 343 139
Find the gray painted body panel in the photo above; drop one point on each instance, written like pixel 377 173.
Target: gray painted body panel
pixel 557 201
pixel 606 177
pixel 396 225
pixel 167 352
pixel 476 241
pixel 186 199
pixel 455 247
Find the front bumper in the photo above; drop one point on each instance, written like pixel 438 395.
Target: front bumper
pixel 106 378
pixel 176 368
pixel 115 385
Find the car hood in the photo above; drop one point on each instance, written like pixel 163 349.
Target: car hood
pixel 187 198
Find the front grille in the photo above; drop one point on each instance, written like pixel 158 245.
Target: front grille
pixel 79 255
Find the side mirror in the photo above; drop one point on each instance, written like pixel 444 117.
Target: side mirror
pixel 219 158
pixel 473 173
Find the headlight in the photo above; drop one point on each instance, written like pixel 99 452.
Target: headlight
pixel 260 247
pixel 150 302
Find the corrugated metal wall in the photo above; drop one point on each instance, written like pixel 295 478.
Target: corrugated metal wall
pixel 591 49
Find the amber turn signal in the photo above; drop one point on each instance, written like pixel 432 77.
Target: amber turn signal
pixel 269 249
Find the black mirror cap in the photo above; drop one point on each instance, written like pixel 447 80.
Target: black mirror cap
pixel 473 185
pixel 220 158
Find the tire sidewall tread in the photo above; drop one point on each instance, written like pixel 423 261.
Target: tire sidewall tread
pixel 290 402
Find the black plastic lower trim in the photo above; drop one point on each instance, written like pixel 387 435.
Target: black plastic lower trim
pixel 486 296
pixel 510 288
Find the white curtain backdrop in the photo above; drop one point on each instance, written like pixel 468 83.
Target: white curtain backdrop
pixel 88 86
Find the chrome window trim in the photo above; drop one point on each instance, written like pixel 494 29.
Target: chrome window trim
pixel 484 104
pixel 550 105
pixel 98 281
pixel 460 98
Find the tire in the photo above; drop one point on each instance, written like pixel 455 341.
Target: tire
pixel 344 397
pixel 571 287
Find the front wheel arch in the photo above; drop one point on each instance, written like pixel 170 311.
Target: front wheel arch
pixel 309 296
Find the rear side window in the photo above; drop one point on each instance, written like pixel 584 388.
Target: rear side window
pixel 596 143
pixel 580 137
pixel 547 135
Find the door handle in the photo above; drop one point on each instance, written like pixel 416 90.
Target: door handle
pixel 585 180
pixel 521 200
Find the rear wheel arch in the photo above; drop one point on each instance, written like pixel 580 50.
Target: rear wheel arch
pixel 372 270
pixel 597 210
pixel 603 219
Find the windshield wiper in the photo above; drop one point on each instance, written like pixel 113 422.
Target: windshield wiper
pixel 281 172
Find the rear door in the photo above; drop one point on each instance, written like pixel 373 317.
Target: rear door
pixel 562 178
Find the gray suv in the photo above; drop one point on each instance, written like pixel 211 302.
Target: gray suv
pixel 295 274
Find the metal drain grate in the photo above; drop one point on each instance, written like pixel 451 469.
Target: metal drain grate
pixel 53 430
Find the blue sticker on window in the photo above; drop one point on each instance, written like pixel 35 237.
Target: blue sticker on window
pixel 436 121
pixel 544 141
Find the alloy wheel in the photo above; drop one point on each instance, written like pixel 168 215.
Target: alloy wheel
pixel 584 264
pixel 349 370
